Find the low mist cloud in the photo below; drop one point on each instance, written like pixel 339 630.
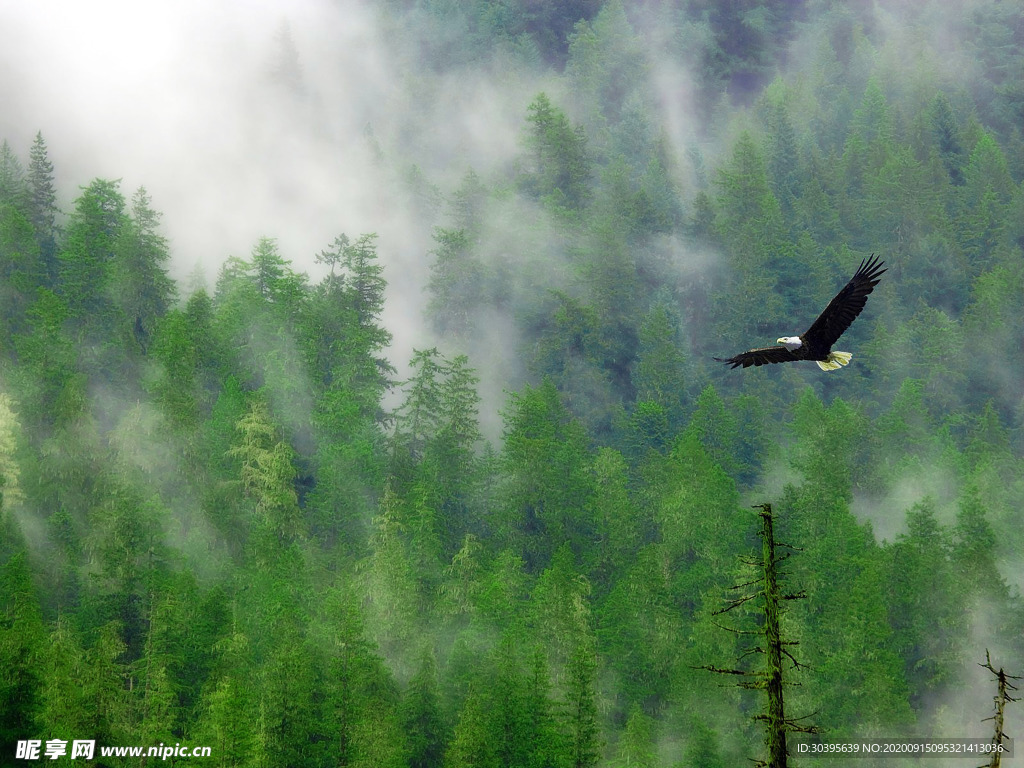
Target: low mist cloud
pixel 182 98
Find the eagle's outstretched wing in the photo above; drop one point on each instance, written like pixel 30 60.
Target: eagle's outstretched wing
pixel 844 308
pixel 762 356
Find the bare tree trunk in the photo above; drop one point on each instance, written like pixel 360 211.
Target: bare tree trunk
pixel 769 679
pixel 1003 687
pixel 775 731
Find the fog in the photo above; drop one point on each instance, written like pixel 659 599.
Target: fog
pixel 234 138
pixel 189 100
pixel 301 120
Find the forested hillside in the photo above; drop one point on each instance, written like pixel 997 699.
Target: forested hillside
pixel 233 517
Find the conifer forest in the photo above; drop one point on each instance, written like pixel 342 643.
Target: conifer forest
pixel 358 405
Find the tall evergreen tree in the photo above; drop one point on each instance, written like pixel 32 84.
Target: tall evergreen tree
pixel 43 203
pixel 637 744
pixel 548 486
pixel 86 261
pixel 352 297
pixel 286 68
pixel 658 373
pixel 140 282
pixel 271 275
pixel 473 743
pixel 947 138
pixel 749 223
pixel 580 707
pixel 456 283
pixel 228 717
pixel 21 270
pixel 22 641
pixel 545 744
pixel 925 609
pixel 421 717
pixel 560 162
pixel 13 187
pixel 267 477
pixel 290 732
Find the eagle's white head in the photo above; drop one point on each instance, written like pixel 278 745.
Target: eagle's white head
pixel 790 342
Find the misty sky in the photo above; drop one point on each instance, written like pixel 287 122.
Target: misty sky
pixel 175 96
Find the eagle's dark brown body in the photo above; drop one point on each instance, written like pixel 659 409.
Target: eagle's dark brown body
pixel 816 343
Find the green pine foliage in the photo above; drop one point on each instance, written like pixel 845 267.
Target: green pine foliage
pixel 86 263
pixel 227 519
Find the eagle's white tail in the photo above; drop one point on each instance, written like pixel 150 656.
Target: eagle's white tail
pixel 834 360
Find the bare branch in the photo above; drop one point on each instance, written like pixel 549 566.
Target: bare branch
pixel 736 631
pixel 720 671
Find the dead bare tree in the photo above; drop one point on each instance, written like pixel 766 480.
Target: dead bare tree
pixel 1003 688
pixel 770 677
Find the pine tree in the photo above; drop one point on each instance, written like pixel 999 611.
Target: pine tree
pixel 22 641
pixel 695 515
pixel 418 419
pixel 86 261
pixel 227 717
pixel 421 716
pixel 637 744
pixel 580 707
pixel 344 332
pixel 362 701
pixel 271 275
pixel 509 713
pixel 125 541
pixel 658 373
pixel 715 426
pixel 66 707
pixel 648 607
pixel 749 222
pixel 702 750
pixel 176 386
pixel 107 712
pixel 926 609
pixel 946 135
pixel 49 354
pixel 782 157
pixel 618 523
pixel 20 268
pixel 286 68
pixel 456 283
pixel 365 279
pixel 607 67
pixel 143 289
pixel 983 199
pixel 392 591
pixel 290 731
pixel 842 569
pixel 11 495
pixel 21 272
pixel 974 549
pixel 546 745
pixel 473 743
pixel 267 477
pixel 43 206
pixel 561 166
pixel 13 187
pixel 770 678
pixel 548 487
pixel 158 716
pixel 468 204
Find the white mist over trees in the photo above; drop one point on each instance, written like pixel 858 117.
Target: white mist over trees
pixel 429 464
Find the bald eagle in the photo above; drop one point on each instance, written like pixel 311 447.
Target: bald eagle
pixel 816 343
